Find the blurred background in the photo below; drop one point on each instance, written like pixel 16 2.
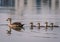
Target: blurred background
pixel 30 10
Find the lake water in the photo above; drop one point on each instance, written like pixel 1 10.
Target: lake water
pixel 36 15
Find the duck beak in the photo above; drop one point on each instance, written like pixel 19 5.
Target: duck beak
pixel 7 20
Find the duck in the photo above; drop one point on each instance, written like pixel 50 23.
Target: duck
pixel 15 25
pixel 38 25
pixel 46 26
pixel 32 25
pixel 52 25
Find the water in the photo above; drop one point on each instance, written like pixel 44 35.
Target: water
pixel 42 15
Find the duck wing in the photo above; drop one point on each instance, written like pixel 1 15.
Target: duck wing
pixel 18 24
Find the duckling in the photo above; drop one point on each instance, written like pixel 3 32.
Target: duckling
pixel 38 25
pixel 46 25
pixel 16 25
pixel 32 26
pixel 52 25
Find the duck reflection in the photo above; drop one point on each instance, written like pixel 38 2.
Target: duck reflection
pixel 16 29
pixel 9 31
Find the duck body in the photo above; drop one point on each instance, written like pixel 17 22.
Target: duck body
pixel 16 26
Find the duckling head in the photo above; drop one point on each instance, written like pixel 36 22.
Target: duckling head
pixel 52 23
pixel 38 23
pixel 46 22
pixel 31 22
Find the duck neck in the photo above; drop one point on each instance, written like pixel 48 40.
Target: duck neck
pixel 10 22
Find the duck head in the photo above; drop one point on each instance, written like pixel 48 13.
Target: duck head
pixel 9 19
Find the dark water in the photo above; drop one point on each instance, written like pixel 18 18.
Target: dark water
pixel 39 14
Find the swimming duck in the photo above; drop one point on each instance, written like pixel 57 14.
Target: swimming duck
pixel 46 24
pixel 32 25
pixel 38 25
pixel 16 25
pixel 52 24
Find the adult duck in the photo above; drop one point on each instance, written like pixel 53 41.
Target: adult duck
pixel 15 25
